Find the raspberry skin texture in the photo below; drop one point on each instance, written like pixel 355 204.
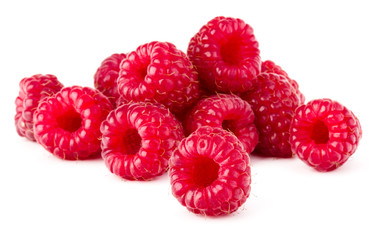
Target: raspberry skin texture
pixel 269 66
pixel 158 72
pixel 210 172
pixel 121 101
pixel 324 134
pixel 32 90
pixel 138 140
pixel 67 124
pixel 229 112
pixel 105 78
pixel 226 55
pixel 274 102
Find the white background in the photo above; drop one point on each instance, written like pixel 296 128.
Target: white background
pixel 333 49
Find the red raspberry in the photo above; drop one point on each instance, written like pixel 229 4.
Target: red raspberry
pixel 121 101
pixel 32 90
pixel 226 55
pixel 158 72
pixel 105 78
pixel 138 140
pixel 67 124
pixel 210 173
pixel 229 112
pixel 270 67
pixel 274 102
pixel 324 134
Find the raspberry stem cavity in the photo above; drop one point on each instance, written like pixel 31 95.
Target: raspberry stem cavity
pixel 319 132
pixel 231 51
pixel 69 121
pixel 131 141
pixel 205 171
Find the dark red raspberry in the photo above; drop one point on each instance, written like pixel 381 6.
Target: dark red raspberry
pixel 138 140
pixel 158 72
pixel 324 134
pixel 32 90
pixel 67 124
pixel 274 102
pixel 105 78
pixel 210 173
pixel 226 55
pixel 270 67
pixel 229 112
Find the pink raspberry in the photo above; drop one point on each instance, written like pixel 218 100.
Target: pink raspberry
pixel 105 78
pixel 32 91
pixel 229 112
pixel 226 55
pixel 274 102
pixel 158 72
pixel 138 140
pixel 210 172
pixel 270 67
pixel 67 123
pixel 324 134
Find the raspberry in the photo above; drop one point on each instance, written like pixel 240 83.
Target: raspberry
pixel 158 72
pixel 105 78
pixel 270 67
pixel 138 140
pixel 226 55
pixel 67 124
pixel 210 173
pixel 121 101
pixel 32 90
pixel 229 112
pixel 324 134
pixel 274 102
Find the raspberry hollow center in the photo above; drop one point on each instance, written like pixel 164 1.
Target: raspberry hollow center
pixel 228 125
pixel 231 51
pixel 140 69
pixel 131 142
pixel 205 171
pixel 142 72
pixel 69 121
pixel 320 132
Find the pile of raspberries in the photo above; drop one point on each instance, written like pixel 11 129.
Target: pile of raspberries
pixel 197 115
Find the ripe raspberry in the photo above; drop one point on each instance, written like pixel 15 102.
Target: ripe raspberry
pixel 210 173
pixel 105 78
pixel 274 102
pixel 32 90
pixel 67 124
pixel 138 140
pixel 121 101
pixel 158 72
pixel 229 112
pixel 270 67
pixel 324 134
pixel 226 55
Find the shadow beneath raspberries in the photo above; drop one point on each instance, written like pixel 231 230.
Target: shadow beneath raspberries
pixel 93 158
pixel 162 178
pixel 258 156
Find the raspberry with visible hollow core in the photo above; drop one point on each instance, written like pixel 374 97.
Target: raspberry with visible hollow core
pixel 105 78
pixel 160 73
pixel 270 67
pixel 229 112
pixel 226 55
pixel 138 139
pixel 324 134
pixel 210 172
pixel 274 102
pixel 67 124
pixel 32 91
